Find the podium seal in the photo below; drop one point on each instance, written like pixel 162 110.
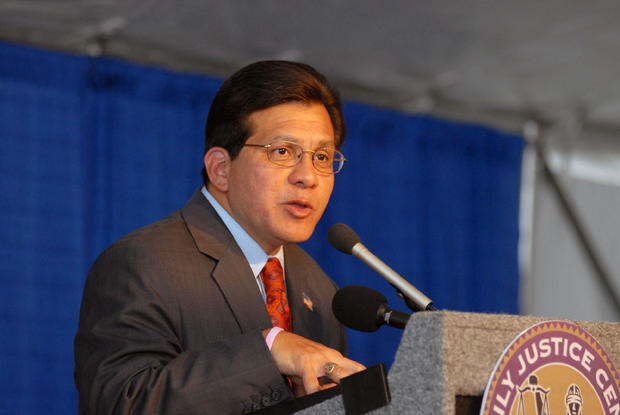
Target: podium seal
pixel 554 367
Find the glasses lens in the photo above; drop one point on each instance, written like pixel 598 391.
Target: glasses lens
pixel 284 154
pixel 328 160
pixel 325 160
pixel 338 161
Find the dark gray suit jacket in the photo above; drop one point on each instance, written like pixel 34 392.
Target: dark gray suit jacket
pixel 171 321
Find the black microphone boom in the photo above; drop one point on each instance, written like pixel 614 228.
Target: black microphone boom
pixel 344 239
pixel 364 309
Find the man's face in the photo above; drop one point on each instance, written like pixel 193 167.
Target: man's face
pixel 275 204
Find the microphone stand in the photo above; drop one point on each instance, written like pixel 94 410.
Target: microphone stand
pixel 412 306
pixel 413 297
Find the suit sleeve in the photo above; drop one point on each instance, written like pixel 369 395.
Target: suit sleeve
pixel 131 352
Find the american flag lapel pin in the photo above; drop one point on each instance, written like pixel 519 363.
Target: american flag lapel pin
pixel 308 302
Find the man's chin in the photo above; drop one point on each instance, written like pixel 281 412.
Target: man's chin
pixel 298 235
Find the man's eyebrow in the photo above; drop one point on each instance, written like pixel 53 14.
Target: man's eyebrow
pixel 284 138
pixel 326 143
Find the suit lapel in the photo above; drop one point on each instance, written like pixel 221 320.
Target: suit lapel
pixel 232 272
pixel 234 276
pixel 306 315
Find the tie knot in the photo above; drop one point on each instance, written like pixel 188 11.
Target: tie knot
pixel 272 270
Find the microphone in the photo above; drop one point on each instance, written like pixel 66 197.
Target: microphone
pixel 344 239
pixel 364 309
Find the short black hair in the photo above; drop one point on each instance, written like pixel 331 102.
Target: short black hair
pixel 263 85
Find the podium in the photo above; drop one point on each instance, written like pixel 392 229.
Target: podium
pixel 445 359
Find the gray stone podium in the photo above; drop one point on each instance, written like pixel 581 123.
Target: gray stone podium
pixel 446 354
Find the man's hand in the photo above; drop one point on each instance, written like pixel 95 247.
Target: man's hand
pixel 304 361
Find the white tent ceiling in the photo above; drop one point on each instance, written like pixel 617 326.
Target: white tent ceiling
pixel 506 61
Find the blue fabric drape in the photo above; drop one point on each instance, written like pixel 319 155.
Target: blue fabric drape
pixel 92 148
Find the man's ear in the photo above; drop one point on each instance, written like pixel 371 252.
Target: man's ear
pixel 217 164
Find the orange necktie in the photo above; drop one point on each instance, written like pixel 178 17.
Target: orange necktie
pixel 277 304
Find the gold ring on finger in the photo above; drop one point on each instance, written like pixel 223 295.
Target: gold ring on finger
pixel 329 368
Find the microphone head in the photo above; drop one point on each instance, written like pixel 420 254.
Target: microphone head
pixel 357 307
pixel 343 238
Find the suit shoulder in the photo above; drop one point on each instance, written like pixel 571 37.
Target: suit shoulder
pixel 171 223
pixel 159 238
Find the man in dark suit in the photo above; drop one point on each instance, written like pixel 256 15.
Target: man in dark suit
pixel 214 309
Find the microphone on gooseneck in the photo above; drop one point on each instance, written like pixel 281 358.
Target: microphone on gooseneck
pixel 364 309
pixel 344 239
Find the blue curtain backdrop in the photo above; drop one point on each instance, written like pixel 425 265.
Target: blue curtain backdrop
pixel 92 148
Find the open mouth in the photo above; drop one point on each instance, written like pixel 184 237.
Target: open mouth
pixel 299 208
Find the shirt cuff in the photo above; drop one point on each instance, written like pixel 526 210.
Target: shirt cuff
pixel 271 336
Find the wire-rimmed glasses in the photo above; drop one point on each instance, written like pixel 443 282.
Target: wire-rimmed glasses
pixel 288 154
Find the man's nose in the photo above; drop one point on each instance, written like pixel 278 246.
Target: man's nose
pixel 304 173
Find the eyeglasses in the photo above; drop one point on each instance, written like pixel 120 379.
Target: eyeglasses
pixel 288 154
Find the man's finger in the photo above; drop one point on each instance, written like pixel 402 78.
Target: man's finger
pixel 345 367
pixel 311 383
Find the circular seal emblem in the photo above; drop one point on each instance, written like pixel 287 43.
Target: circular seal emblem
pixel 554 367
